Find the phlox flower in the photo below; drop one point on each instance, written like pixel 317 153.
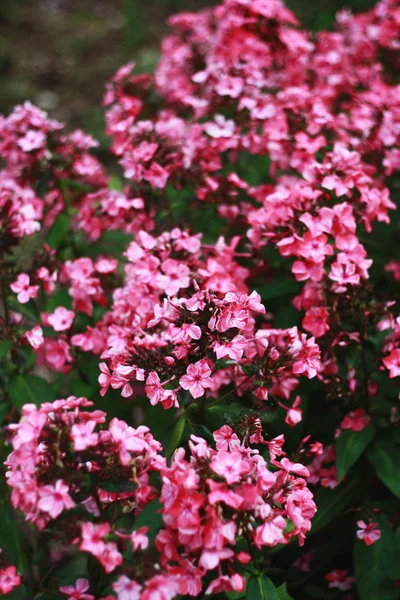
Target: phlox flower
pixel 369 533
pixel 77 591
pixel 25 292
pixel 53 499
pixel 197 378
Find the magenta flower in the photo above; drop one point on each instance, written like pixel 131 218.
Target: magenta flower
pixel 197 378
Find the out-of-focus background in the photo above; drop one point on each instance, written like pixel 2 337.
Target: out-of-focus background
pixel 60 53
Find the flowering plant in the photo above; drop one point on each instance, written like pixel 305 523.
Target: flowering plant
pixel 199 345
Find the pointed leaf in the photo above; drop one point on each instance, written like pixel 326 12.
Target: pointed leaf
pixel 330 503
pixel 385 459
pixel 349 446
pixel 283 593
pixel 176 435
pixel 30 389
pixel 261 587
pixel 373 565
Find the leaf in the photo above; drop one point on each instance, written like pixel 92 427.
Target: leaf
pixel 261 587
pixel 373 564
pixel 283 593
pixel 4 410
pixel 58 230
pixel 331 502
pixel 349 447
pixel 116 183
pixel 10 534
pixel 30 389
pixel 150 517
pixel 28 310
pixel 277 288
pixel 385 459
pixel 5 346
pixel 176 435
pixel 117 486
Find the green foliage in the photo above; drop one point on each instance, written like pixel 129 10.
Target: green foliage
pixel 260 587
pixel 385 460
pixel 349 446
pixel 30 389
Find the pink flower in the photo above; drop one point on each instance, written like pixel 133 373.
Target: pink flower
pixel 61 319
pixel 176 276
pixel 127 589
pixel 338 579
pixel 106 265
pixel 316 321
pixel 368 532
pixel 53 499
pixel 356 420
pixel 77 592
pixel 35 336
pixel 93 538
pixel 9 579
pixel 153 388
pixel 104 378
pixel 139 538
pixel 229 465
pixel 270 533
pixel 233 349
pixel 83 436
pixel 25 291
pixel 307 360
pixel 197 378
pixel 392 362
pixel 225 438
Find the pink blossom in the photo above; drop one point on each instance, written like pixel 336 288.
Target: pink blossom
pixel 369 533
pixel 93 537
pixel 53 499
pixel 83 436
pixel 25 292
pixel 197 378
pixel 140 539
pixel 77 592
pixel 35 336
pixel 339 579
pixel 233 349
pixel 392 363
pixel 9 579
pixel 126 589
pixel 229 465
pixel 356 420
pixel 61 319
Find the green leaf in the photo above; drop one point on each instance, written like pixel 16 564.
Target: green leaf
pixel 283 593
pixel 5 346
pixel 277 288
pixel 176 435
pixel 28 310
pixel 331 502
pixel 59 230
pixel 30 389
pixel 10 535
pixel 385 459
pixel 373 565
pixel 116 183
pixel 4 409
pixel 117 486
pixel 150 517
pixel 349 446
pixel 261 587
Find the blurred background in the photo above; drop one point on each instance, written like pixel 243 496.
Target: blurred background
pixel 60 53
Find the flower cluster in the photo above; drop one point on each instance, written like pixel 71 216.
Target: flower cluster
pixel 237 268
pixel 57 451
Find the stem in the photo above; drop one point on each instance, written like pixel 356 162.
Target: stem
pixel 4 297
